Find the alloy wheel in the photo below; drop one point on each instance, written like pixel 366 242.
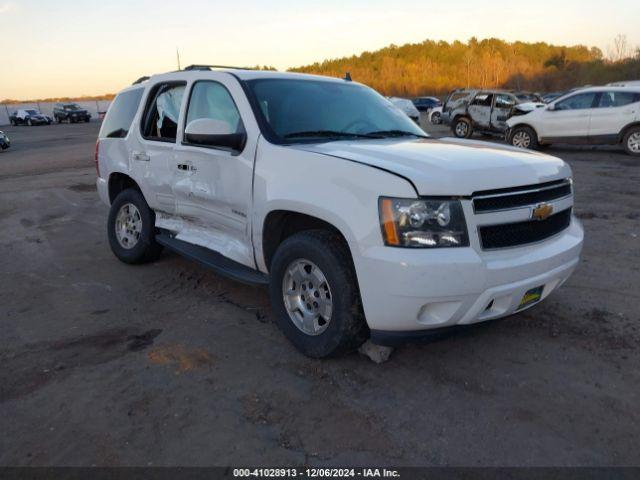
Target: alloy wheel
pixel 128 226
pixel 307 297
pixel 521 140
pixel 633 142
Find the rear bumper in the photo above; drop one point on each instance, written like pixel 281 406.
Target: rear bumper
pixel 103 190
pixel 407 291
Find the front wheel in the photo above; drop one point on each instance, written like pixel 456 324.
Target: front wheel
pixel 632 142
pixel 131 228
pixel 436 118
pixel 314 294
pixel 524 137
pixel 462 128
pixel 28 122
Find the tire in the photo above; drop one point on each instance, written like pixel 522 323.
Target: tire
pixel 29 124
pixel 143 247
pixel 58 119
pixel 631 141
pixel 325 255
pixel 462 128
pixel 524 137
pixel 436 118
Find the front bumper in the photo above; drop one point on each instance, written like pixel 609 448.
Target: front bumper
pixel 407 291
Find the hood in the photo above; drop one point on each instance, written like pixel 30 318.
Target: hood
pixel 449 166
pixel 529 106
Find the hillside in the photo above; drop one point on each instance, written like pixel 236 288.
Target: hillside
pixel 434 67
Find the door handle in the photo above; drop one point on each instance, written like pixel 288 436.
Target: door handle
pixel 186 167
pixel 140 156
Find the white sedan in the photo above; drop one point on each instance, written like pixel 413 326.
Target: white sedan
pixel 407 107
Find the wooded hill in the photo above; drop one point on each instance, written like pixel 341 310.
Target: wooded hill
pixel 434 67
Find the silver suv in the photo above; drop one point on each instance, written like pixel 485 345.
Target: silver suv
pixel 485 111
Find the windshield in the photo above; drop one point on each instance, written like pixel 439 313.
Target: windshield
pixel 528 97
pixel 72 107
pixel 295 111
pixel 32 112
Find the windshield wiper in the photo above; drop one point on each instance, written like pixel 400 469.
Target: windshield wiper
pixel 395 133
pixel 329 133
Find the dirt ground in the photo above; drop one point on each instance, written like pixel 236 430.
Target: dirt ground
pixel 169 364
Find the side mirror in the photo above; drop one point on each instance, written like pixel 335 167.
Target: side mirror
pixel 551 107
pixel 208 132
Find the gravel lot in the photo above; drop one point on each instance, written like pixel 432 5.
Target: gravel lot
pixel 169 364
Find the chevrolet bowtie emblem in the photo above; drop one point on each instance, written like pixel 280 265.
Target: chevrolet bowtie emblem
pixel 542 211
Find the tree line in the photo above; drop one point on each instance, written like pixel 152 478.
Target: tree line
pixel 437 67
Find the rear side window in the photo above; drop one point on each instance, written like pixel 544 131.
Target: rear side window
pixel 483 100
pixel 120 115
pixel 617 99
pixel 160 120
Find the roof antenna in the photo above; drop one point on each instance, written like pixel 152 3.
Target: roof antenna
pixel 178 55
pixel 347 77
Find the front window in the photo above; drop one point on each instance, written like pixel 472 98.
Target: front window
pixel 580 101
pixel 73 106
pixel 31 112
pixel 504 101
pixel 294 111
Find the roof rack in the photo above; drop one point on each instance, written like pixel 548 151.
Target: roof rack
pixel 211 67
pixel 140 80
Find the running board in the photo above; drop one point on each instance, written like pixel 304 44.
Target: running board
pixel 213 260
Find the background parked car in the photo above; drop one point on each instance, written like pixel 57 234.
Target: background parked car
pixel 594 116
pixel 550 97
pixel 435 115
pixel 407 107
pixel 70 112
pixel 29 117
pixel 485 111
pixel 424 104
pixel 4 141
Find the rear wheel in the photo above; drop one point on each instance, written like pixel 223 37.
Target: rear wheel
pixel 631 141
pixel 524 137
pixel 436 118
pixel 462 128
pixel 131 228
pixel 314 294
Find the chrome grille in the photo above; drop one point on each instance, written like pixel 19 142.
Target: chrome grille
pixel 509 198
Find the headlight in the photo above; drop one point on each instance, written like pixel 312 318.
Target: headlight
pixel 422 223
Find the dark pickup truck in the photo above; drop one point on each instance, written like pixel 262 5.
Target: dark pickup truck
pixel 70 112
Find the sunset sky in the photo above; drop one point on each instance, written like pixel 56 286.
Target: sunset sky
pixel 89 47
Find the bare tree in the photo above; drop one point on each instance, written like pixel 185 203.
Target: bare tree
pixel 468 59
pixel 620 50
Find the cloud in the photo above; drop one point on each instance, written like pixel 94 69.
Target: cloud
pixel 7 7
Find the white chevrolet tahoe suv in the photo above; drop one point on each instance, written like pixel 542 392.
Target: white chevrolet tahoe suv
pixel 594 116
pixel 361 225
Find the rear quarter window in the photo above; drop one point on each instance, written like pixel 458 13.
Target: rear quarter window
pixel 120 115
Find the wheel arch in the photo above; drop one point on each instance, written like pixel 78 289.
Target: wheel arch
pixel 523 124
pixel 278 225
pixel 119 182
pixel 625 129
